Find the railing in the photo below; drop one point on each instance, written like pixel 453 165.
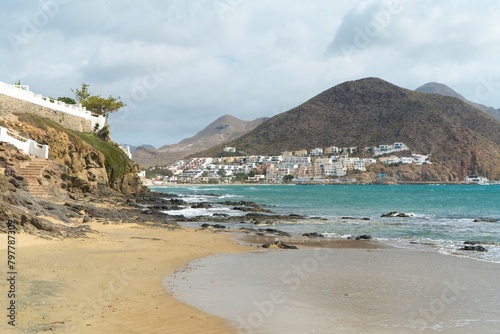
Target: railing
pixel 28 146
pixel 124 148
pixel 23 93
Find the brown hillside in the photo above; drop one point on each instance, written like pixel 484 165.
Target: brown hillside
pixel 371 112
pixel 441 89
pixel 223 129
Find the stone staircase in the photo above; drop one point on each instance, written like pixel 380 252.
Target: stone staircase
pixel 31 172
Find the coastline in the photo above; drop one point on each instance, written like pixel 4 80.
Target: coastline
pixel 344 290
pixel 111 281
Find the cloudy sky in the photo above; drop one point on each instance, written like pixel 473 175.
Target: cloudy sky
pixel 181 64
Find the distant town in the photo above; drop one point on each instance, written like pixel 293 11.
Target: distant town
pixel 318 165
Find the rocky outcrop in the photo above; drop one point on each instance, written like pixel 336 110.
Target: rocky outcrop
pixel 477 248
pixel 87 164
pixel 81 169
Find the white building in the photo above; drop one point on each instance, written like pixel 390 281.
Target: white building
pixel 331 150
pixel 316 152
pixel 406 160
pixel 295 160
pixel 420 159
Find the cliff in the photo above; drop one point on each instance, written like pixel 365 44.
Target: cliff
pixel 81 169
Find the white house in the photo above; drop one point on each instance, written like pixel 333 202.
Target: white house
pixel 406 160
pixel 420 159
pixel 475 179
pixel 316 151
pixel 304 161
pixel 331 150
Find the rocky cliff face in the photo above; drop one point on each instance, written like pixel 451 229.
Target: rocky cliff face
pixel 81 168
pixel 87 164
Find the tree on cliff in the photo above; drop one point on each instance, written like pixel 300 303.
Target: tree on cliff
pixel 95 103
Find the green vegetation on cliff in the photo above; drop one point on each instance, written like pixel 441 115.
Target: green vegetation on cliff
pixel 78 151
pixel 115 160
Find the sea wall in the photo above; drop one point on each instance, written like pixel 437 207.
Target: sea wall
pixel 11 104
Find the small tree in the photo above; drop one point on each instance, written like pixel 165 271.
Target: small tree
pixel 96 103
pixel 287 178
pixel 101 106
pixel 241 177
pixel 82 94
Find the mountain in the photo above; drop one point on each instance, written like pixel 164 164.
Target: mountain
pixel 223 129
pixel 369 112
pixel 134 148
pixel 442 89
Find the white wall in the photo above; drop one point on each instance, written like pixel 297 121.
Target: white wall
pixel 28 146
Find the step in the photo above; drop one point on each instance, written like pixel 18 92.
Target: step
pixel 37 188
pixel 30 172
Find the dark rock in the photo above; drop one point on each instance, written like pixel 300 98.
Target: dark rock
pixel 364 237
pixel 364 218
pixel 313 234
pixel 266 245
pixel 282 245
pixel 485 220
pixel 219 226
pixel 471 242
pixel 477 248
pixel 201 205
pixel 395 214
pixel 220 215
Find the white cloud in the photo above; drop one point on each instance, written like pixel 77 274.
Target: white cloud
pixel 247 58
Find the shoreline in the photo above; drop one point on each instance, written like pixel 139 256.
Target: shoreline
pixel 111 281
pixel 344 290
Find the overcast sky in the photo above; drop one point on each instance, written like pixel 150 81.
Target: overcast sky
pixel 181 64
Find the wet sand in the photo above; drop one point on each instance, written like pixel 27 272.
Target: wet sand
pixel 345 290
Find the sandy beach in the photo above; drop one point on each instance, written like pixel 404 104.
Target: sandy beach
pixel 110 282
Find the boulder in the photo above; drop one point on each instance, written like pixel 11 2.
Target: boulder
pixel 477 248
pixel 313 234
pixel 395 214
pixel 282 245
pixel 201 205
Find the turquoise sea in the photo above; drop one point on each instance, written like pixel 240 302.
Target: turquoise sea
pixel 441 218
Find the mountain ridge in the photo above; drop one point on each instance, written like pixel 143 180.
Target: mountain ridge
pixel 223 129
pixel 442 89
pixel 370 112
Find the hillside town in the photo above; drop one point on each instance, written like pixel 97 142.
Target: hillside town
pixel 318 165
